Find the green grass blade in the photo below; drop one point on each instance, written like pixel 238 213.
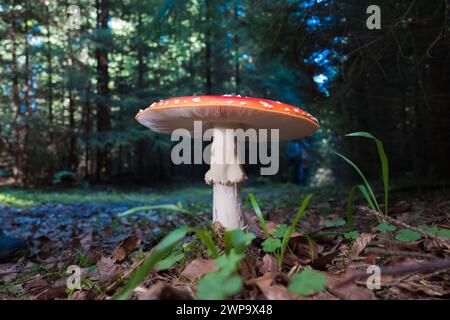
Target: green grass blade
pixel 366 183
pixel 351 200
pixel 208 241
pixel 170 207
pixel 384 163
pixel 259 215
pixel 300 210
pixel 366 195
pixel 292 227
pixel 161 251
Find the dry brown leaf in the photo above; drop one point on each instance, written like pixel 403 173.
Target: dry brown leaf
pixel 303 249
pixel 87 241
pixel 198 267
pixel 162 291
pixel 56 291
pixel 401 208
pixel 348 291
pixel 105 272
pixel 269 264
pixel 125 248
pixel 270 289
pixel 247 268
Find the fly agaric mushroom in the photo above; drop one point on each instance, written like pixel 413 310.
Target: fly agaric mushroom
pixel 221 113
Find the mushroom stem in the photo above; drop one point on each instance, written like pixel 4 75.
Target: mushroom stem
pixel 227 202
pixel 225 174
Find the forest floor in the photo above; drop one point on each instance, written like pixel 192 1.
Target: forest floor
pixel 83 228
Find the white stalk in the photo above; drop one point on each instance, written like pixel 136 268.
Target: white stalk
pixel 225 174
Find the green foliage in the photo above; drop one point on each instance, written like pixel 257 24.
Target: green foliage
pixel 275 245
pixel 161 251
pixel 170 261
pixel 237 240
pixel 225 282
pixel 280 231
pixel 170 207
pixel 434 230
pixel 334 223
pixel 259 215
pixel 365 188
pixel 384 164
pixel 406 235
pixel 271 245
pixel 443 233
pixel 205 236
pixel 229 263
pixel 383 227
pixel 351 235
pixel 307 282
pixel 218 286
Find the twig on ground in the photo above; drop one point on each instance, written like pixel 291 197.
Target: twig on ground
pixel 398 253
pixel 437 264
pixel 401 224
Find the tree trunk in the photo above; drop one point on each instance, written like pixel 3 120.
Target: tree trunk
pixel 103 113
pixel 208 53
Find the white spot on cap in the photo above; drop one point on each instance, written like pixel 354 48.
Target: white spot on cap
pixel 296 110
pixel 229 102
pixel 176 101
pixel 166 103
pixel 278 102
pixel 140 110
pixel 243 102
pixel 266 104
pixel 152 104
pixel 287 109
pixel 196 99
pixel 184 101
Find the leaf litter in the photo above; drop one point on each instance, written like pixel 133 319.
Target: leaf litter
pixel 320 261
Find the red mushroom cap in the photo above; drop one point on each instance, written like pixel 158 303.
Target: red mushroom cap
pixel 181 112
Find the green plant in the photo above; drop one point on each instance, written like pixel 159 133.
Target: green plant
pixel 172 259
pixel 161 251
pixel 351 235
pixel 406 235
pixel 225 282
pixel 278 244
pixel 383 227
pixel 307 282
pixel 365 188
pixel 164 256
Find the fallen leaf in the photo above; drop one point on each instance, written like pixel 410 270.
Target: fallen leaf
pixel 347 291
pixel 56 291
pixel 162 291
pixel 198 267
pixel 125 248
pixel 87 241
pixel 270 289
pixel 401 208
pixel 105 272
pixel 269 264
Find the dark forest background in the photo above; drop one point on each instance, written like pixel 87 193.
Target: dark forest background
pixel 73 74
